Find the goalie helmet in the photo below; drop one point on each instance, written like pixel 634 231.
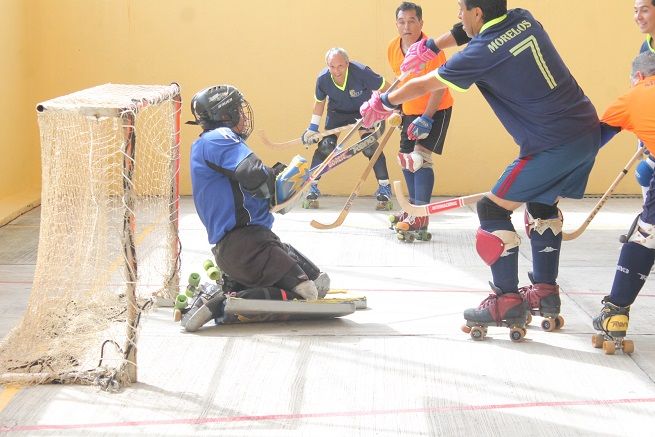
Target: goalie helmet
pixel 222 106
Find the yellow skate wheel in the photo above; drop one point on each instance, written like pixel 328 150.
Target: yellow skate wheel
pixel 392 219
pixel 548 324
pixel 208 264
pixel 559 322
pixel 597 340
pixel 628 346
pixel 388 206
pixel 194 279
pixel 609 347
pixel 477 333
pixel 177 315
pixel 528 319
pixel 466 329
pixel 516 334
pixel 213 273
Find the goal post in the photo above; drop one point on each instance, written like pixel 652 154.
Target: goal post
pixel 108 241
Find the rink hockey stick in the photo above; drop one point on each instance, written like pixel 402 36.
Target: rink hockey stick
pixel 567 236
pixel 434 207
pixel 394 121
pixel 296 141
pixel 316 173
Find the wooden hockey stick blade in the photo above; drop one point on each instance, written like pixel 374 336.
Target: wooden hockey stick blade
pixel 568 236
pixel 435 207
pixel 346 207
pixel 319 136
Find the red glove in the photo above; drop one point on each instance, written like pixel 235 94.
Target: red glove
pixel 374 110
pixel 418 54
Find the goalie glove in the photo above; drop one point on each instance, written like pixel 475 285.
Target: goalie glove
pixel 418 54
pixel 420 128
pixel 375 109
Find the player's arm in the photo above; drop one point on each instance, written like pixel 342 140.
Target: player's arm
pixel 455 37
pixel 255 177
pixel 412 89
pixel 312 129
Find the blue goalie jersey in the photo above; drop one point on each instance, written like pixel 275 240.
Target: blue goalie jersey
pixel 221 203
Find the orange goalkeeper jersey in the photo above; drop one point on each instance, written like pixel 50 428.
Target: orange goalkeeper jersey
pixel 417 106
pixel 634 111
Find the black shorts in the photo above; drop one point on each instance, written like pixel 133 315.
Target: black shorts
pixel 437 137
pixel 253 256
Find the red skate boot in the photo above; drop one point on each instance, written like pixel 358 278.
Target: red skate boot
pixel 413 228
pixel 396 218
pixel 543 300
pixel 507 309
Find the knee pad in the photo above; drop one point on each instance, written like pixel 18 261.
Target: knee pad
pixel 491 246
pixel 644 172
pixel 415 160
pixel 540 217
pixel 642 233
pixel 370 150
pixel 311 270
pixel 326 146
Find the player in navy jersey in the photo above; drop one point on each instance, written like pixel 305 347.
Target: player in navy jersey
pixel 512 61
pixel 232 192
pixel 345 84
pixel 645 19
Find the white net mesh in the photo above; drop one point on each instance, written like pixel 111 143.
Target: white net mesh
pixel 108 239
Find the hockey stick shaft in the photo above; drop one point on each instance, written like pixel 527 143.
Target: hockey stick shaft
pixel 435 207
pixel 297 141
pixel 346 208
pixel 316 173
pixel 567 236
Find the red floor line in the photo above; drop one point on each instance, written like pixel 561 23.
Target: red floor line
pixel 272 417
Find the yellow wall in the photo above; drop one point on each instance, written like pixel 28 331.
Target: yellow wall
pixel 272 51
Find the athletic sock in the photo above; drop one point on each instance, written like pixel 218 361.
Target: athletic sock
pixel 423 185
pixel 545 256
pixel 409 180
pixel 632 270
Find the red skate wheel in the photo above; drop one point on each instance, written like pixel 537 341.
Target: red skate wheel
pixel 466 329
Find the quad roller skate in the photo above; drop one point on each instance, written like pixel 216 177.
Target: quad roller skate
pixel 612 326
pixel 194 293
pixel 508 309
pixel 413 228
pixel 311 200
pixel 543 300
pixel 396 218
pixel 383 196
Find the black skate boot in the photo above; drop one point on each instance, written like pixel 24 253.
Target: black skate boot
pixel 383 196
pixel 311 200
pixel 208 305
pixel 543 300
pixel 499 309
pixel 612 327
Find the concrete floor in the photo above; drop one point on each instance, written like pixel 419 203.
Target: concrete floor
pixel 400 368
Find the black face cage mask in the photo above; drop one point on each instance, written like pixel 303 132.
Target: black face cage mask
pixel 247 118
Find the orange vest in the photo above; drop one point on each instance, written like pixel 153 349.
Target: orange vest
pixel 417 106
pixel 634 111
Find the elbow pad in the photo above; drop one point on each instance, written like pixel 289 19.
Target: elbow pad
pixel 255 178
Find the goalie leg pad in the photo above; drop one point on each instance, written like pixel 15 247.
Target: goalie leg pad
pixel 540 217
pixel 643 234
pixel 491 246
pixel 415 160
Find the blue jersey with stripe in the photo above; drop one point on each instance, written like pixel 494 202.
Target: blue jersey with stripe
pixel 646 45
pixel 517 69
pixel 221 203
pixel 358 86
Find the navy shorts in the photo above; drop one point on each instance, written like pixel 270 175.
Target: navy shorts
pixel 561 171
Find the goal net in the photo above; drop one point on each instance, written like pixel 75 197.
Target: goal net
pixel 108 239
